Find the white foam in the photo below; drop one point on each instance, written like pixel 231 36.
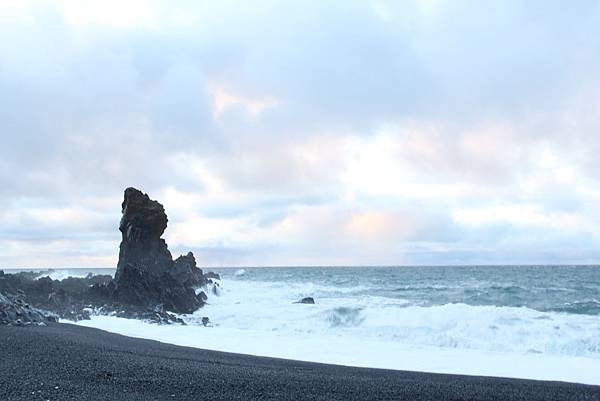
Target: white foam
pixel 359 352
pixel 260 318
pixel 63 274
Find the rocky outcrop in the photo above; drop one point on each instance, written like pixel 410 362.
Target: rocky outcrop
pixel 148 283
pixel 146 273
pixel 16 312
pixel 143 222
pixel 185 271
pixel 212 275
pixel 69 298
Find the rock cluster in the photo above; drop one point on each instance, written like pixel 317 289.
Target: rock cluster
pixel 16 312
pixel 69 298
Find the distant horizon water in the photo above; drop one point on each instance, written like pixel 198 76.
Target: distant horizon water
pixel 483 265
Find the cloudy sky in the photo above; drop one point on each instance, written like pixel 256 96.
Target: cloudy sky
pixel 302 133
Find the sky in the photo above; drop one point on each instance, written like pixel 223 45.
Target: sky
pixel 302 133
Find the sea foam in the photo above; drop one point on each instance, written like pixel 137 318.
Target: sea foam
pixel 354 351
pixel 260 318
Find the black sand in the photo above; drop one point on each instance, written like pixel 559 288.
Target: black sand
pixel 67 362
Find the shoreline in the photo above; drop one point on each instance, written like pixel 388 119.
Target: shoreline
pixel 64 361
pixel 366 353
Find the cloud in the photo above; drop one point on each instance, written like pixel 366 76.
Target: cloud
pixel 282 133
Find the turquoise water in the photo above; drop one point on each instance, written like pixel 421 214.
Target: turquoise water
pixel 544 320
pixel 568 289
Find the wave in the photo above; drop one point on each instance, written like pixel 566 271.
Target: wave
pixel 359 351
pixel 424 288
pixel 345 316
pixel 489 328
pixel 63 274
pixel 507 288
pixel 269 307
pixel 585 307
pixel 388 331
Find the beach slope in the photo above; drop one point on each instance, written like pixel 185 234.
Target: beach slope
pixel 68 362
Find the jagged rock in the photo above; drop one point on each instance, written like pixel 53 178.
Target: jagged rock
pixel 15 312
pixel 142 223
pixel 307 300
pixel 185 271
pixel 212 275
pixel 67 298
pixel 148 284
pixel 146 273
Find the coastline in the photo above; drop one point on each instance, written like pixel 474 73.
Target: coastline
pixel 65 361
pixel 323 347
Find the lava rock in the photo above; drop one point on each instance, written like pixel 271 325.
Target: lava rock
pixel 186 272
pixel 15 312
pixel 146 273
pixel 66 298
pixel 212 275
pixel 147 283
pixel 142 223
pixel 307 300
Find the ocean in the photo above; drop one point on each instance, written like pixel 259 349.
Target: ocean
pixel 537 322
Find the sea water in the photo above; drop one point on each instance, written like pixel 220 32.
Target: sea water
pixel 538 322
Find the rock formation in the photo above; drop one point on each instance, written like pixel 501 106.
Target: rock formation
pixel 69 298
pixel 148 283
pixel 16 312
pixel 146 273
pixel 307 300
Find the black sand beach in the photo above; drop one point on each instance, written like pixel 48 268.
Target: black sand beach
pixel 68 362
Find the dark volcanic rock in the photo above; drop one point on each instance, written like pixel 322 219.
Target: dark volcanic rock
pixel 148 284
pixel 68 298
pixel 307 300
pixel 212 275
pixel 16 312
pixel 185 272
pixel 142 223
pixel 146 273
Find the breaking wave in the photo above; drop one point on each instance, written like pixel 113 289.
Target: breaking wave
pixel 461 326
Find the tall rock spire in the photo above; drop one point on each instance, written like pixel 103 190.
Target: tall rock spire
pixel 146 274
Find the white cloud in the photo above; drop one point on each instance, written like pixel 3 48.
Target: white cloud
pixel 281 133
pixel 123 14
pixel 520 214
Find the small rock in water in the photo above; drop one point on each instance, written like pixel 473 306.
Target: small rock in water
pixel 307 300
pixel 212 275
